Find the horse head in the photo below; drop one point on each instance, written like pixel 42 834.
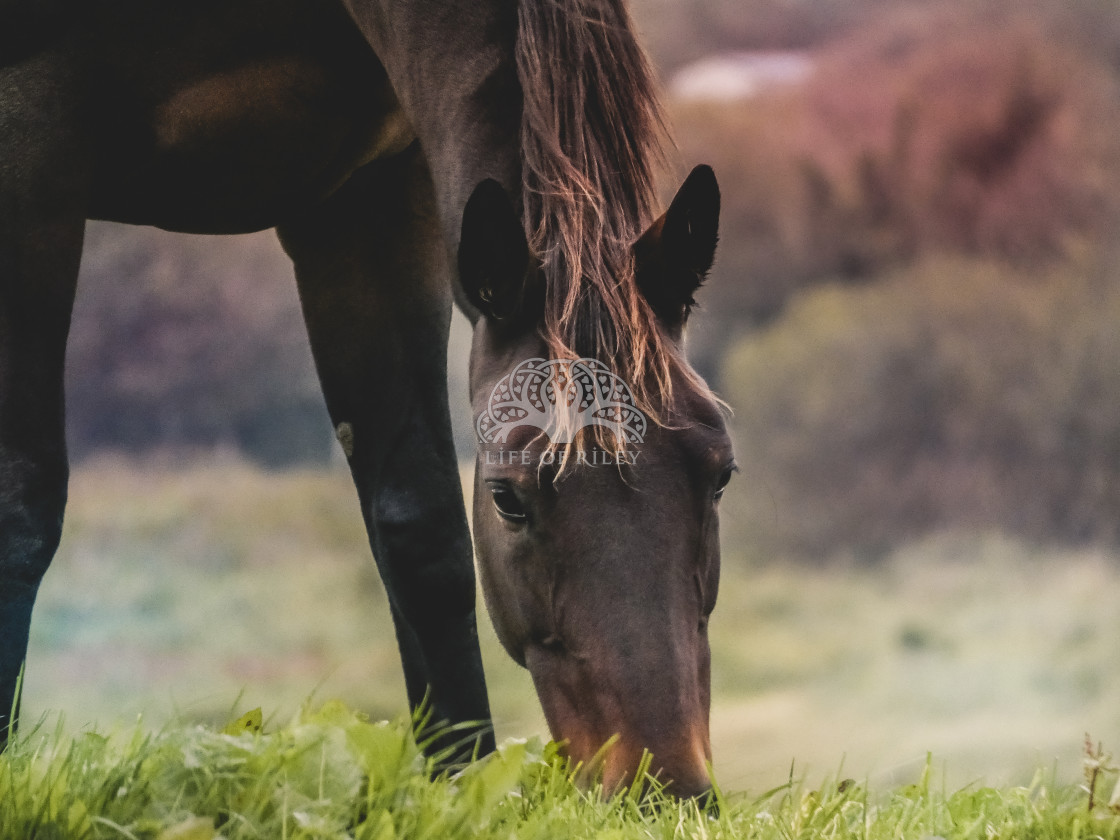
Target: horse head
pixel 595 516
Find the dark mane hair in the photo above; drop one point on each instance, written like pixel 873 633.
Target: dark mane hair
pixel 592 133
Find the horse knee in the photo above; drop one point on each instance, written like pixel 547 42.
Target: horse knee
pixel 427 559
pixel 32 500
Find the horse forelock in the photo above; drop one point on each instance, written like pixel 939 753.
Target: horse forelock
pixel 592 135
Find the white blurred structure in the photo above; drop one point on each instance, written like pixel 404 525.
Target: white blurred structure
pixel 739 75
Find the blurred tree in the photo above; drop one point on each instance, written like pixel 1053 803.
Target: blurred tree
pixel 934 131
pixel 679 31
pixel 183 342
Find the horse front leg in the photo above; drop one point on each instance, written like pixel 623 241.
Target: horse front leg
pixel 375 290
pixel 41 227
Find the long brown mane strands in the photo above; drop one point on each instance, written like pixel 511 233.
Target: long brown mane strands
pixel 592 133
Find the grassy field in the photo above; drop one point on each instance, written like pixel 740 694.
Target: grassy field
pixel 332 774
pixel 179 590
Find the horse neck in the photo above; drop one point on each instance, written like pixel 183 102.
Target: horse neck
pixel 452 65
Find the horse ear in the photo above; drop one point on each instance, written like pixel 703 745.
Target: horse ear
pixel 494 256
pixel 675 255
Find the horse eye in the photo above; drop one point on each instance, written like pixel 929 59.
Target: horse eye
pixel 723 481
pixel 507 504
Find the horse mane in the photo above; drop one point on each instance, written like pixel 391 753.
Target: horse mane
pixel 592 133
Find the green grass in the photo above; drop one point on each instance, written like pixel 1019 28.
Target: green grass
pixel 331 773
pixel 176 591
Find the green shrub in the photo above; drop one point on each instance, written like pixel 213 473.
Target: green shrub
pixel 955 394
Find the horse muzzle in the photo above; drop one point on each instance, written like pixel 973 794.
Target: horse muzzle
pixel 606 731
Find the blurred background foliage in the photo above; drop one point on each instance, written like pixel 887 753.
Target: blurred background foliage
pixel 915 311
pixel 191 343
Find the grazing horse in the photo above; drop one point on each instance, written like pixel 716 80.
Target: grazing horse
pixel 391 143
